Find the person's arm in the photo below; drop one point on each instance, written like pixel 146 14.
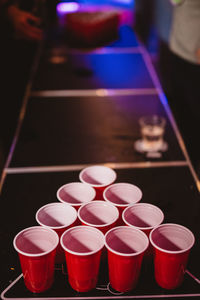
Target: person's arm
pixel 4 4
pixel 24 23
pixel 6 29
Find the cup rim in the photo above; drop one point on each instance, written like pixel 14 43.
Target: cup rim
pixel 36 254
pixel 142 204
pixel 82 253
pixel 172 251
pixel 74 183
pixel 97 185
pixel 118 184
pixel 131 229
pixel 57 204
pixel 93 203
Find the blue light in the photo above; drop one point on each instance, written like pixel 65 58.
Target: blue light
pixel 119 70
pixel 122 3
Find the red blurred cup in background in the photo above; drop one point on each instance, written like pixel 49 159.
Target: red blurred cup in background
pixel 59 217
pixel 99 214
pixel 36 247
pixel 126 247
pixel 122 195
pixel 83 246
pixel 172 244
pixel 99 177
pixel 75 194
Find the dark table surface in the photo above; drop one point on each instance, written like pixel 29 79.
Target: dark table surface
pixel 82 111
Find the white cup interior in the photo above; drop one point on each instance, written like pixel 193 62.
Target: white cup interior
pixel 126 240
pixel 36 241
pixel 98 213
pixel 172 238
pixel 82 240
pixel 143 215
pixel 122 194
pixel 76 193
pixel 98 176
pixel 56 215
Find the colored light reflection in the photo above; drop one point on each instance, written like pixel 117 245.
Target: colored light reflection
pixel 122 3
pixel 120 71
pixel 65 7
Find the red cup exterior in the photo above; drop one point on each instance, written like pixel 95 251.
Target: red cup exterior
pixel 36 248
pixel 118 188
pixel 99 192
pixel 60 254
pixel 169 268
pixel 109 174
pixel 125 247
pixel 103 229
pixel 83 271
pixel 124 271
pixel 105 225
pixel 172 244
pixel 83 248
pixel 75 186
pixel 120 220
pixel 38 272
pixel 148 255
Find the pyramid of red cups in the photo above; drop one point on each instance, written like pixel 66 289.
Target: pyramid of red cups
pixel 98 220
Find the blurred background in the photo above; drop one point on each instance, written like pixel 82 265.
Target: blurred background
pixel 150 20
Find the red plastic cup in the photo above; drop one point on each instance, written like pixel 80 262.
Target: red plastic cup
pixel 99 214
pixel 59 217
pixel 36 247
pixel 172 244
pixel 83 246
pixel 99 177
pixel 144 216
pixel 126 247
pixel 76 194
pixel 122 195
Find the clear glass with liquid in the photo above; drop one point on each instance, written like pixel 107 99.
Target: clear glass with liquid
pixel 152 131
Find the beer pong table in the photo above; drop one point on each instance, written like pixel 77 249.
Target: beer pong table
pixel 81 107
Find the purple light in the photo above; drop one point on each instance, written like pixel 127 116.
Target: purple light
pixel 124 1
pixel 65 7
